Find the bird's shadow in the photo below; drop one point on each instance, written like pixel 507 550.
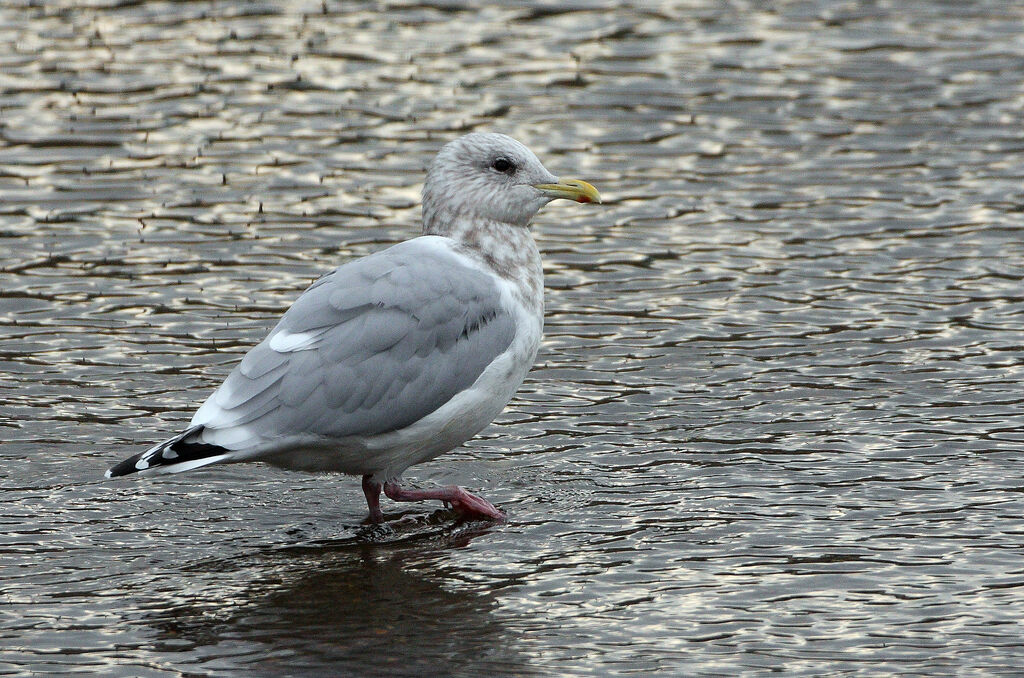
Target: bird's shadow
pixel 384 599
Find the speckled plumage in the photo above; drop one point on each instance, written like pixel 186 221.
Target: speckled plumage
pixel 395 358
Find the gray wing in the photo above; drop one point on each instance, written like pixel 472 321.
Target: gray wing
pixel 369 348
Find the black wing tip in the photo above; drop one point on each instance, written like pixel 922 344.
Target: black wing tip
pixel 155 457
pixel 124 468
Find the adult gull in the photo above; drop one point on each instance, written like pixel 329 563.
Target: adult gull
pixel 400 356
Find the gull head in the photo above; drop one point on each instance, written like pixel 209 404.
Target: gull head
pixel 492 177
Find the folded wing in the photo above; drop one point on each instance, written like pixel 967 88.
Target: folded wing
pixel 370 348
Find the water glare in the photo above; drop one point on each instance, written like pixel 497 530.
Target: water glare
pixel 776 423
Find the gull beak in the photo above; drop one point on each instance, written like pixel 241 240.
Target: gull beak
pixel 573 189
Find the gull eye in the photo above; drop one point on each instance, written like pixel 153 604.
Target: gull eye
pixel 504 165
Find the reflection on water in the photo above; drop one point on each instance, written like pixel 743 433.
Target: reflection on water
pixel 351 604
pixel 776 420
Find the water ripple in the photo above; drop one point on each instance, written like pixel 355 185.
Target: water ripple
pixel 775 421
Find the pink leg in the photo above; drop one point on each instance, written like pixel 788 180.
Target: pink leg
pixel 372 491
pixel 466 504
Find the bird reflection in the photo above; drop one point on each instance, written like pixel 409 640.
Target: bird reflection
pixel 378 602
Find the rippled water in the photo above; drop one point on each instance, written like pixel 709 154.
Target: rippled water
pixel 776 422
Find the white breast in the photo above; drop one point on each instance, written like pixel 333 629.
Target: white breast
pixel 387 455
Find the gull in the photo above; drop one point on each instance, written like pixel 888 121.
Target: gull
pixel 397 357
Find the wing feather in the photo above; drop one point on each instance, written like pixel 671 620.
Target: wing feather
pixel 369 348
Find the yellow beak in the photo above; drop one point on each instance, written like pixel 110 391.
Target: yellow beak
pixel 573 189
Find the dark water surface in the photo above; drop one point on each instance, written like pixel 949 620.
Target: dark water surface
pixel 777 420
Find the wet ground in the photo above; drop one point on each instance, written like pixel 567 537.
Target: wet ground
pixel 776 423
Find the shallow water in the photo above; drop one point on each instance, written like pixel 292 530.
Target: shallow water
pixel 776 423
